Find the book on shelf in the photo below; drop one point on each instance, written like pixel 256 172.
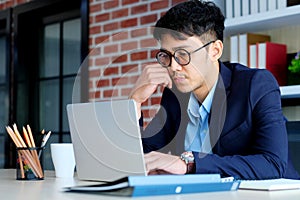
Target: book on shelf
pixel 263 4
pixel 252 59
pixel 229 9
pixel 237 9
pixel 282 4
pixel 239 46
pixel 153 185
pixel 253 7
pixel 234 49
pixel 273 57
pixel 270 184
pixel 245 7
pixel 247 39
pixel 272 5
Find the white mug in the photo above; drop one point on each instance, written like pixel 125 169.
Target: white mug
pixel 63 159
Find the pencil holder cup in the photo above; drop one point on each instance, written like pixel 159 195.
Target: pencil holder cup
pixel 29 163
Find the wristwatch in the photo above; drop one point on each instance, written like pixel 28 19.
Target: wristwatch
pixel 188 158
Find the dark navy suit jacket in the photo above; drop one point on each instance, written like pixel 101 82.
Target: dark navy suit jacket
pixel 247 128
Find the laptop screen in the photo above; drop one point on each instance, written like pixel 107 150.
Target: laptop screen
pixel 106 140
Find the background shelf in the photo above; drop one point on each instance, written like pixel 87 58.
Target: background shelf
pixel 263 21
pixel 291 91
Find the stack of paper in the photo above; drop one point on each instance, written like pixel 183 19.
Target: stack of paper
pixel 270 185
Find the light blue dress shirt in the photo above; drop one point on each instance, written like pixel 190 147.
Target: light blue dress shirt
pixel 197 133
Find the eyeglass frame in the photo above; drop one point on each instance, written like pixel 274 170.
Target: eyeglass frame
pixel 173 55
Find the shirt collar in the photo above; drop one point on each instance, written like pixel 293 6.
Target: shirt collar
pixel 194 108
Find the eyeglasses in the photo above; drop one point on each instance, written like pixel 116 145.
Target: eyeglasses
pixel 182 56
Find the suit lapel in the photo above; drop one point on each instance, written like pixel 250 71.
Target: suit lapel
pixel 219 107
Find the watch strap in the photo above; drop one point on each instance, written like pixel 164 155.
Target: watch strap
pixel 190 168
pixel 188 158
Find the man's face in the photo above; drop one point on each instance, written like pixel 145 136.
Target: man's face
pixel 194 76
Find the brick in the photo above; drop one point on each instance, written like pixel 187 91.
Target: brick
pixel 127 2
pixel 139 56
pixel 151 42
pixel 129 23
pixel 125 91
pixel 94 73
pixel 149 113
pixel 94 95
pixel 133 79
pixel 145 113
pixel 144 104
pixel 111 71
pixel 129 46
pixel 139 9
pixel 120 81
pixel 97 95
pixel 162 13
pixel 111 49
pixel 120 59
pixel 174 2
pixel 150 19
pixel 102 61
pixel 91 62
pixel 110 93
pixel 102 83
pixel 120 36
pixel 153 53
pixel 145 123
pixel 91 19
pixel 101 39
pixel 155 100
pixel 94 30
pixel 110 4
pixel 129 68
pixel 111 26
pixel 91 40
pixel 102 17
pixel 159 5
pixel 91 84
pixel 95 8
pixel 95 52
pixel 139 32
pixel 119 13
pixel 19 2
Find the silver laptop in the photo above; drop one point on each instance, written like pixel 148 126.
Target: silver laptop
pixel 106 140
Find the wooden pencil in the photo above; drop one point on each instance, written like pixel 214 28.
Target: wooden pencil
pixel 35 155
pixel 21 165
pixel 26 154
pixel 26 137
pixel 28 140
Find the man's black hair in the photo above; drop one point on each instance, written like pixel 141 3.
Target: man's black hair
pixel 191 18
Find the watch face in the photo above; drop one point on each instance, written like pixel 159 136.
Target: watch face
pixel 188 157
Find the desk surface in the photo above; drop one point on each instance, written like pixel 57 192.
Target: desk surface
pixel 51 188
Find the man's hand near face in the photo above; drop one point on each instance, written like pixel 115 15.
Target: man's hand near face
pixel 152 76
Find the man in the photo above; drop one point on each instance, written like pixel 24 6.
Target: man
pixel 226 119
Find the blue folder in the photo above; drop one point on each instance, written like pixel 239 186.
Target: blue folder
pixel 153 185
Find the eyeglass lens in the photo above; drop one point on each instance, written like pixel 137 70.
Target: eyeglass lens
pixel 181 56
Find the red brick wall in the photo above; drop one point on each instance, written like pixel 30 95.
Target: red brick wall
pixel 4 4
pixel 121 44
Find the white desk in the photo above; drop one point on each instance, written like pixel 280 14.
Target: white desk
pixel 51 188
